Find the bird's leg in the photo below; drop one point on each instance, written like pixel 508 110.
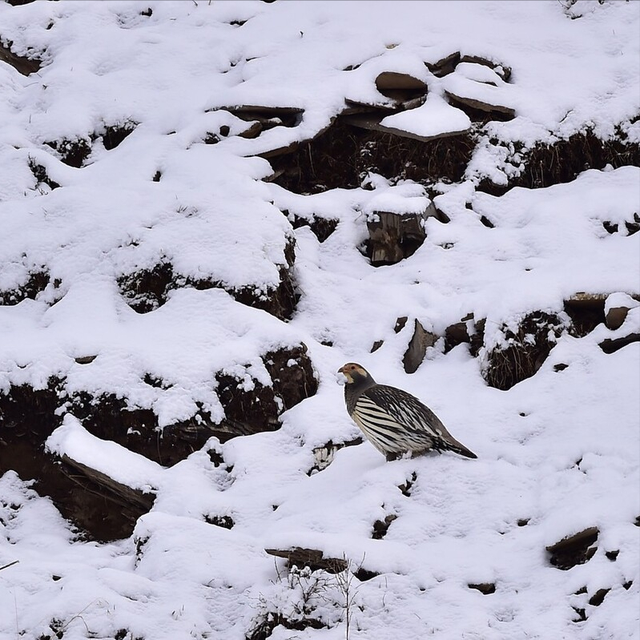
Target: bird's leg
pixel 391 456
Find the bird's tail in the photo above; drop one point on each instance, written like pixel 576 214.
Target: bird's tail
pixel 457 447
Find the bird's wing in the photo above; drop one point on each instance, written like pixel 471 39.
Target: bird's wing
pixel 405 410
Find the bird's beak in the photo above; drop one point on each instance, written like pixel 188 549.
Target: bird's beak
pixel 341 377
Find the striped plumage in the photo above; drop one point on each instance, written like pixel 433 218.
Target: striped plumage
pixel 394 421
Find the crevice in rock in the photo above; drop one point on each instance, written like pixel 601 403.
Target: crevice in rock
pixel 365 574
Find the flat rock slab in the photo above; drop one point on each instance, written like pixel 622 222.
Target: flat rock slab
pixel 312 558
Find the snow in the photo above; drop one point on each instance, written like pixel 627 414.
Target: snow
pixel 128 468
pixel 557 453
pixel 434 118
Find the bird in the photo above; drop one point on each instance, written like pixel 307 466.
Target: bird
pixel 393 420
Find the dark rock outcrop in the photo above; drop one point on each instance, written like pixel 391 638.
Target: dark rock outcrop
pixel 101 507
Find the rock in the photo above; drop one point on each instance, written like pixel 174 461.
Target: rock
pixel 431 119
pixel 467 331
pixel 21 64
pixel 444 66
pixel 616 308
pixel 501 69
pixel 615 317
pixel 610 345
pixel 598 597
pixel 485 588
pixel 574 549
pixel 402 88
pixel 312 558
pixel 400 324
pixel 393 236
pixel 121 493
pixel 495 109
pixel 374 123
pixel 392 80
pixel 420 341
pixel 381 527
pixel 268 116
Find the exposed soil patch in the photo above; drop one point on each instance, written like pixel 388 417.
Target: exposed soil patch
pixel 546 165
pixel 114 135
pixel 41 174
pixel 147 289
pixel 266 626
pixel 527 348
pixel 98 505
pixel 246 412
pixel 344 154
pixel 72 152
pixel 27 419
pixel 321 227
pixel 36 283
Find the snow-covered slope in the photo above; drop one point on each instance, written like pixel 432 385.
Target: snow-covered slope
pixel 129 152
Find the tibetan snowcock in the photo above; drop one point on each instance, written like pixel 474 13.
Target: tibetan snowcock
pixel 394 421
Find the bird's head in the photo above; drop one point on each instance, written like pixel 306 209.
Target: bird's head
pixel 355 373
